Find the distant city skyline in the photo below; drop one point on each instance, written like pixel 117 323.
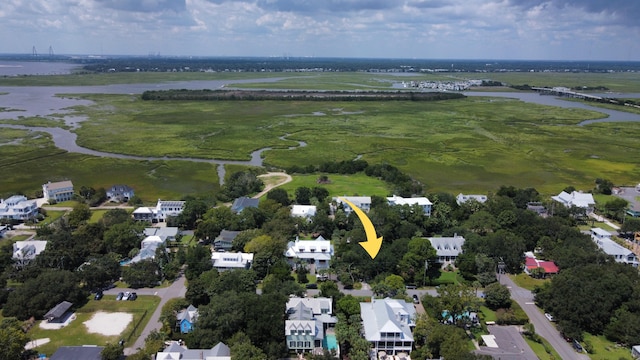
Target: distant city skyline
pixel 422 29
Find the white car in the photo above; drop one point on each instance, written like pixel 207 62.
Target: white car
pixel 549 317
pixel 126 296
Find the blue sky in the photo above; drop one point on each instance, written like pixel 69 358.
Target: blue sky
pixel 430 29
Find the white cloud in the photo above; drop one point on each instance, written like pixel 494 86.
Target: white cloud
pixel 378 28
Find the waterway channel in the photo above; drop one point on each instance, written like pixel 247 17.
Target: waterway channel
pixel 40 101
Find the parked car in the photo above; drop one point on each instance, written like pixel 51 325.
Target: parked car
pixel 119 296
pixel 577 345
pixel 549 317
pixel 126 296
pixel 312 286
pixel 416 299
pixel 133 296
pixel 98 296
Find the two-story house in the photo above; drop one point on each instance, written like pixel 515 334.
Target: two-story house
pixel 229 261
pixel 317 253
pixel 621 254
pixel 309 325
pixel 120 193
pixel 422 202
pixel 186 318
pixel 362 202
pixel 388 325
pixel 58 191
pixel 447 248
pixel 17 207
pixel 159 213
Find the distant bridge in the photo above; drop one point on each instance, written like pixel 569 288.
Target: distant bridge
pixel 566 92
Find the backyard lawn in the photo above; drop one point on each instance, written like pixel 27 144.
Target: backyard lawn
pixel 76 332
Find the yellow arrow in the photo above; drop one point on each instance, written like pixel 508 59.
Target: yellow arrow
pixel 373 243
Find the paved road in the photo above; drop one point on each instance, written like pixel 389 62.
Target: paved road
pixel 176 290
pixel 543 327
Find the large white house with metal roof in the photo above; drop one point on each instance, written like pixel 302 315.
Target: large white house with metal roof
pixel 423 202
pixel 308 320
pixel 18 208
pixel 159 213
pixel 362 202
pixel 447 248
pixel 58 191
pixel 621 254
pixel 388 325
pixel 317 253
pixel 577 199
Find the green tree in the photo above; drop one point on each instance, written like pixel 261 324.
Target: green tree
pixel 303 195
pixel 112 352
pixel 198 260
pixel 145 273
pixel 122 237
pixel 497 296
pixel 12 339
pixel 100 271
pixel 279 195
pixel 79 215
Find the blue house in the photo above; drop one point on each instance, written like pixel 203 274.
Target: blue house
pixel 186 319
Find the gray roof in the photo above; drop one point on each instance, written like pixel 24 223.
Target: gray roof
pixel 447 246
pixel 190 314
pixel 163 232
pixel 387 316
pixel 85 352
pixel 244 202
pixel 221 351
pixel 300 312
pixel 58 310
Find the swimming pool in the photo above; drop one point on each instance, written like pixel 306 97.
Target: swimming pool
pixel 329 342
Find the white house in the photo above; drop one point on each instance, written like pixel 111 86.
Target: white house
pixel 120 193
pixel 160 212
pixel 388 325
pixel 577 199
pixel 316 252
pixel 423 202
pixel 307 322
pixel 176 351
pixel 18 207
pixel 362 202
pixel 621 254
pixel 229 261
pixel 462 198
pixel 58 191
pixel 447 248
pixel 25 251
pixel 303 211
pixel 635 351
pixel 154 238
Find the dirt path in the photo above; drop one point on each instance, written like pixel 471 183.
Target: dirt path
pixel 269 186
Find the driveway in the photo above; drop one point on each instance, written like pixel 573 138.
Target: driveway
pixel 542 325
pixel 511 345
pixel 176 290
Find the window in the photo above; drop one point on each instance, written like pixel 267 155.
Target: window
pixel 292 344
pixel 307 344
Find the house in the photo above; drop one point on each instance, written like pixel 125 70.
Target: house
pixel 224 241
pixel 462 198
pixel 531 263
pixel 18 208
pixel 635 351
pixel 175 351
pixel 388 325
pixel 229 261
pixel 155 237
pixel 242 203
pixel 58 191
pixel 447 248
pixel 316 252
pixel 58 312
pixel 120 193
pixel 160 212
pixel 309 323
pixel 303 211
pixel 25 251
pixel 85 352
pixel 537 208
pixel 621 254
pixel 186 318
pixel 578 199
pixel 362 202
pixel 3 230
pixel 423 202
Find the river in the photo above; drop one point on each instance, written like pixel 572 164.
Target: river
pixel 44 101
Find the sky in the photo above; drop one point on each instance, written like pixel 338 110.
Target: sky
pixel 421 29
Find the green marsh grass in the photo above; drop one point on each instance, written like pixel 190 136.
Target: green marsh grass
pixel 350 185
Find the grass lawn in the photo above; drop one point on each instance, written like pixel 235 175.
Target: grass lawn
pixel 525 281
pixel 76 332
pixel 605 349
pixel 52 216
pixel 540 349
pixel 96 215
pixel 488 314
pixel 356 184
pixel 448 277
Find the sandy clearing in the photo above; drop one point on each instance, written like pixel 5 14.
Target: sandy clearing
pixel 35 343
pixel 108 324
